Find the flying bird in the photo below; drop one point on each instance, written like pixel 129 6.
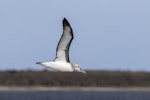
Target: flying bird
pixel 62 62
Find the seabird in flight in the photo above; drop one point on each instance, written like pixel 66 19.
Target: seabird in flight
pixel 62 62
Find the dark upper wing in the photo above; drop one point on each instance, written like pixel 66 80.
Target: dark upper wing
pixel 62 51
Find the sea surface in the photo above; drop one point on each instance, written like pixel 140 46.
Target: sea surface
pixel 74 95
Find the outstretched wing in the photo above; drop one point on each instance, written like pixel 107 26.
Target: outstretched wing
pixel 62 51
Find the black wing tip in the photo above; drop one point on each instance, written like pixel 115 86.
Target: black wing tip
pixel 65 19
pixel 65 22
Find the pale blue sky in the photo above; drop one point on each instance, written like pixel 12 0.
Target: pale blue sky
pixel 109 34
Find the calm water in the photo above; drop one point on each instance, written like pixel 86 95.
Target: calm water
pixel 73 95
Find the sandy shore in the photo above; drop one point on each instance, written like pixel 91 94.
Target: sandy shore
pixel 39 88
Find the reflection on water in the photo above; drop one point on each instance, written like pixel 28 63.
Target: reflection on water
pixel 73 95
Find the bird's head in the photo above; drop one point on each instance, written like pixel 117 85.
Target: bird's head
pixel 78 69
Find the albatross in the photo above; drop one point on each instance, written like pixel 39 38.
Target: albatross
pixel 62 62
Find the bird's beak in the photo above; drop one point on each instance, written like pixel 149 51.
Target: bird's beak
pixel 82 71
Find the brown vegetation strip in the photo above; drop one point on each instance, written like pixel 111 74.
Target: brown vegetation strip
pixel 59 79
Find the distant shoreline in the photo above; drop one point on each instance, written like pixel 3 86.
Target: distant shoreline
pixel 41 88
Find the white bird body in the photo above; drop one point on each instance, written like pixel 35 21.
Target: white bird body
pixel 59 66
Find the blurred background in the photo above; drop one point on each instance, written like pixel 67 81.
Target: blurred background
pixel 112 42
pixel 109 35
